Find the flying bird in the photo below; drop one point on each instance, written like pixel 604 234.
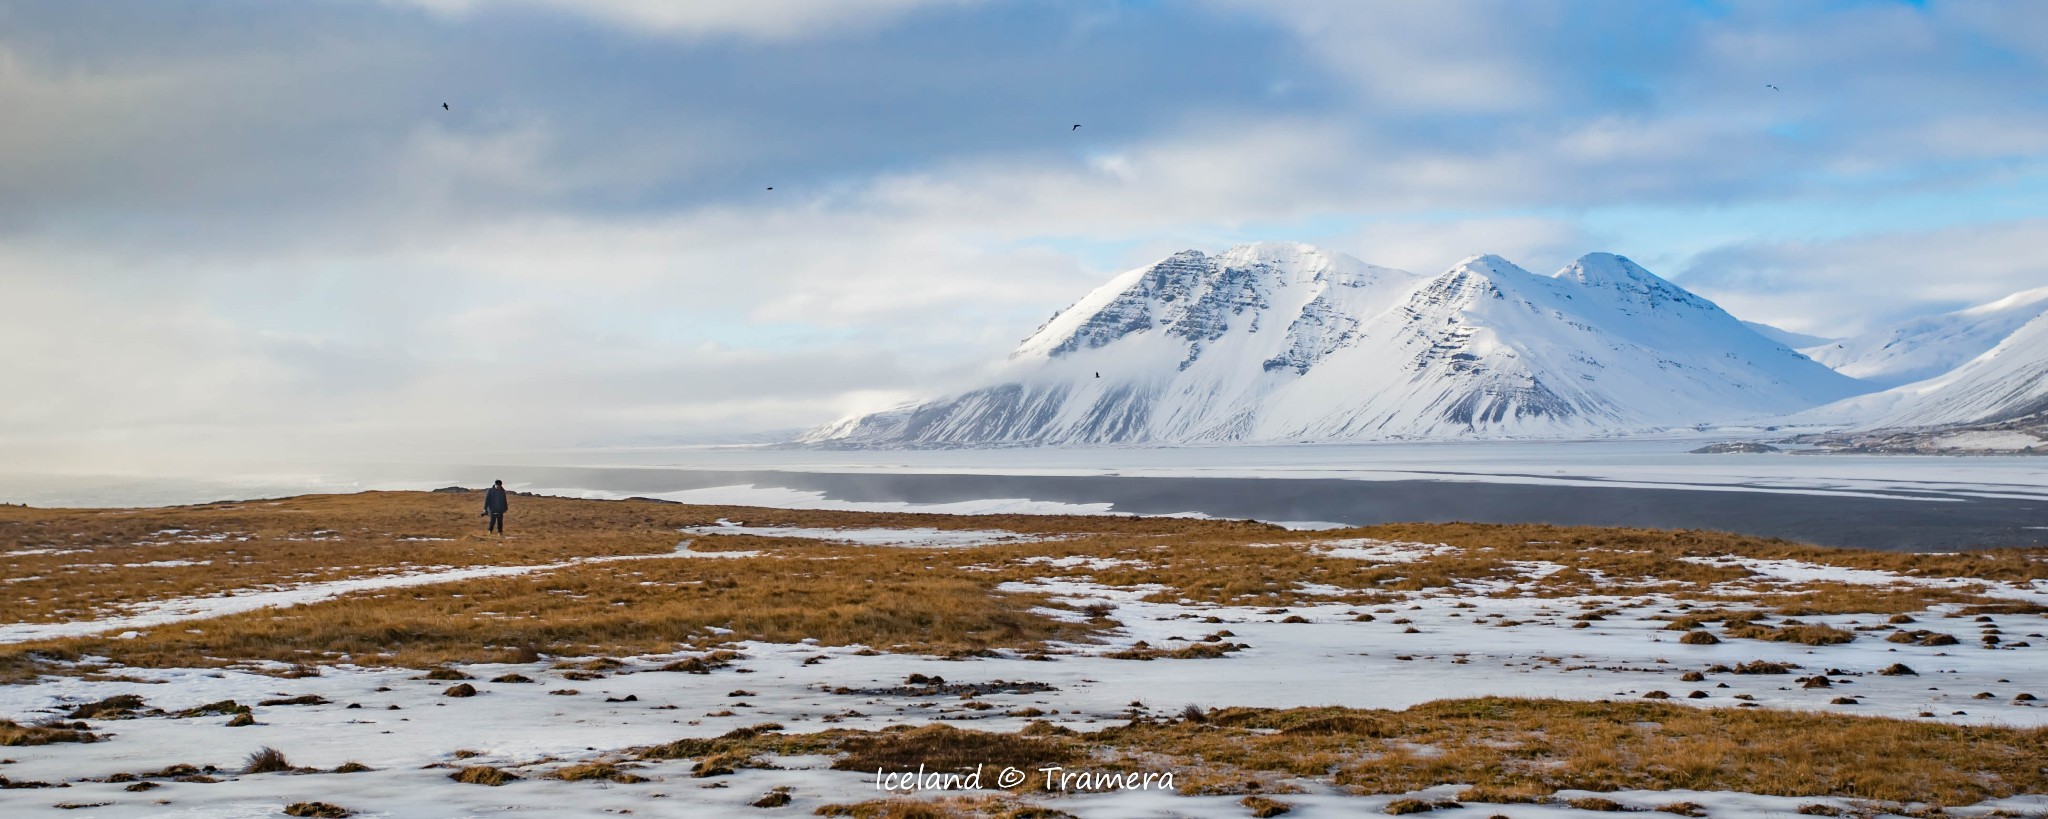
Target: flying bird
pixel 1076 127
pixel 1772 87
pixel 444 107
pixel 771 187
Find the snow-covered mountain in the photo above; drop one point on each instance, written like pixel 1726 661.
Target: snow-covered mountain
pixel 1996 402
pixel 1788 338
pixel 2007 383
pixel 1924 348
pixel 1284 342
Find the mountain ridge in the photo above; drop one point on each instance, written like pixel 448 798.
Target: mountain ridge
pixel 1286 342
pixel 1922 348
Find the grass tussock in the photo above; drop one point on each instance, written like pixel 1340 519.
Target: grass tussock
pixel 944 748
pixel 1401 807
pixel 483 775
pixel 1804 633
pixel 596 771
pixel 324 810
pixel 119 706
pixel 266 760
pixel 15 734
pixel 1191 651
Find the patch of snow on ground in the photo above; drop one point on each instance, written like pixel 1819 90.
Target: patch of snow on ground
pixel 913 537
pixel 1082 561
pixel 1795 571
pixel 1382 551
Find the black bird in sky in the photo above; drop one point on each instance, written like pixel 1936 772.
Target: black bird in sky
pixel 1076 127
pixel 771 187
pixel 444 107
pixel 1772 87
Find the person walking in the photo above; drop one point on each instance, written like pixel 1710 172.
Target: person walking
pixel 495 505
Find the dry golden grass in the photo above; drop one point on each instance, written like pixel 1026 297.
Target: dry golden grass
pixel 483 775
pixel 1803 633
pixel 886 598
pixel 947 807
pixel 1506 750
pixel 600 770
pixel 1529 746
pixel 942 601
pixel 1828 597
pixel 13 733
pixel 2014 564
pixel 945 748
pixel 327 537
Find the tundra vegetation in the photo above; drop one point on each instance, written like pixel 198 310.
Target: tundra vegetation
pixel 611 585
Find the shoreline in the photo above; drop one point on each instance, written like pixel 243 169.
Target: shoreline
pixel 1903 520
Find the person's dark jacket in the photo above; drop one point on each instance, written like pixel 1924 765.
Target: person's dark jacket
pixel 494 500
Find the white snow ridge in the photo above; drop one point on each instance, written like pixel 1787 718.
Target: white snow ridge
pixel 1927 347
pixel 2008 383
pixel 1284 342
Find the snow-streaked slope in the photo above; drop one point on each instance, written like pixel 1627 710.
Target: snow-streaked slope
pixel 1796 341
pixel 1925 348
pixel 1282 342
pixel 1602 346
pixel 1176 345
pixel 2008 383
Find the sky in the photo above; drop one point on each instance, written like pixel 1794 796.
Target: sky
pixel 248 228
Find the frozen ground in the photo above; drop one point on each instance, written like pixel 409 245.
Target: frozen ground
pixel 915 537
pixel 1425 648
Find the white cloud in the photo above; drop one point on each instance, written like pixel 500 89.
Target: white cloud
pixel 1430 247
pixel 758 19
pixel 288 244
pixel 1846 286
pixel 1437 56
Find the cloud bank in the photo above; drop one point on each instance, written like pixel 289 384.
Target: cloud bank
pixel 237 228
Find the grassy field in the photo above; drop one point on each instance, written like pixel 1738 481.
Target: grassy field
pixel 609 596
pixel 79 564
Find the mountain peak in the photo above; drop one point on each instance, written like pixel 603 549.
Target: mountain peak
pixel 1273 252
pixel 1487 264
pixel 1281 341
pixel 1607 269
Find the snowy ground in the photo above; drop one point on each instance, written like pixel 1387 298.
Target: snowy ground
pixel 1428 648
